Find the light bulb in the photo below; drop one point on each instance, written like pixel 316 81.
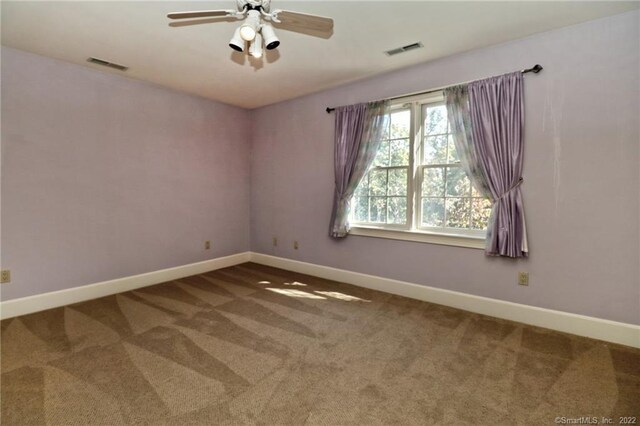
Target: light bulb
pixel 247 33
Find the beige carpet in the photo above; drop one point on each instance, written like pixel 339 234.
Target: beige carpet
pixel 257 345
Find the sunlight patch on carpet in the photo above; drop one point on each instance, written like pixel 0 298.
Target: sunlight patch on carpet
pixel 296 293
pixel 341 296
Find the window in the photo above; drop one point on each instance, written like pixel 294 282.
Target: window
pixel 382 196
pixel 416 184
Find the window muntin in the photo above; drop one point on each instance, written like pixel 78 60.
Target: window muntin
pixel 431 176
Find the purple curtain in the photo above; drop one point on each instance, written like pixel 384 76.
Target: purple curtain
pixel 358 134
pixel 497 122
pixel 457 102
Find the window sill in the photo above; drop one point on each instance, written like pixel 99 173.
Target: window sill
pixel 420 237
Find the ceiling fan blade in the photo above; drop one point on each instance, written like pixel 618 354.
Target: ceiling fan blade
pixel 199 14
pixel 303 20
pixel 188 23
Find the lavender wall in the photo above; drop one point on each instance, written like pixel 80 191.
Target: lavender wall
pixel 581 175
pixel 105 177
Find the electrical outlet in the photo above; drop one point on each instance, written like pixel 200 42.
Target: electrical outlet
pixel 207 245
pixel 5 276
pixel 275 241
pixel 523 278
pixel 295 245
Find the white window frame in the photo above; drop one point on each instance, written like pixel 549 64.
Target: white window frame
pixel 413 229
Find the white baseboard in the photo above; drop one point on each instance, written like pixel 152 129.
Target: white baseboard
pixel 596 328
pixel 40 302
pixel 581 325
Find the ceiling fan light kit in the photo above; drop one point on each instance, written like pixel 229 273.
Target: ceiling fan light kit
pixel 236 42
pixel 253 30
pixel 271 41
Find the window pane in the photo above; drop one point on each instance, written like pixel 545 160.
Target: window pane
pixel 385 133
pixel 397 210
pixel 453 154
pixel 458 212
pixel 435 120
pixel 378 182
pixel 433 211
pixel 363 187
pixel 400 124
pixel 457 182
pixel 382 157
pixel 400 152
pixel 435 150
pixel 378 209
pixel 433 182
pixel 397 182
pixel 480 212
pixel 361 209
pixel 474 192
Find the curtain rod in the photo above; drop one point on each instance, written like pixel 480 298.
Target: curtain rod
pixel 535 69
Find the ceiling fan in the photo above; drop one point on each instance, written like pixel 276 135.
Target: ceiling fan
pixel 257 29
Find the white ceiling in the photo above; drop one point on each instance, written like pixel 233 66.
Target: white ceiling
pixel 196 59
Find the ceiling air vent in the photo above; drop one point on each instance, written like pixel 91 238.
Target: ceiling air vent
pixel 408 47
pixel 107 64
